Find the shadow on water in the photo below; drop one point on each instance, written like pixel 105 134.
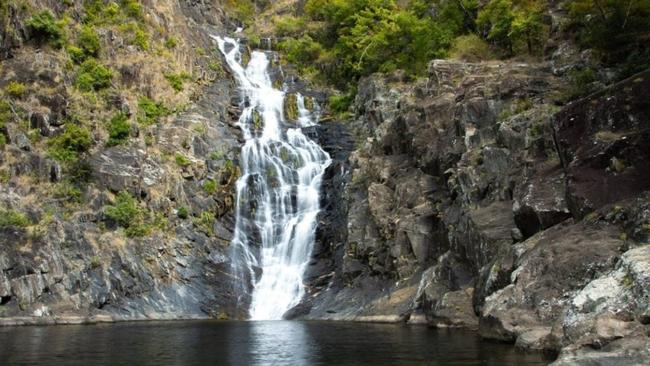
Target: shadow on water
pixel 252 343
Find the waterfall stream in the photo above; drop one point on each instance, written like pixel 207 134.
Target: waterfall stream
pixel 278 192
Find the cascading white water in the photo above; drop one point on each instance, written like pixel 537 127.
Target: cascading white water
pixel 278 192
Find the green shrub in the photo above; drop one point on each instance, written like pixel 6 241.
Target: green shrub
pixel 182 160
pixel 150 112
pixel 3 141
pixel 182 213
pixel 127 213
pixel 470 48
pixel 5 113
pixel 16 89
pixel 45 28
pixel 301 51
pixel 67 146
pixel 93 76
pixel 244 10
pixel 171 42
pixel 210 186
pixel 88 45
pixel 176 80
pixel 119 129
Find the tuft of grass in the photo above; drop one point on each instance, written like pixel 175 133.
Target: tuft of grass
pixel 205 223
pixel 171 42
pixel 16 89
pixel 182 160
pixel 13 218
pixel 176 80
pixel 182 213
pixel 210 186
pixel 127 213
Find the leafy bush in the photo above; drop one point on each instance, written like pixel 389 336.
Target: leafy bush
pixel 93 76
pixel 471 48
pixel 88 41
pixel 119 129
pixel 16 89
pixel 127 213
pixel 138 35
pixel 45 28
pixel 150 112
pixel 67 146
pixel 176 80
pixel 3 141
pixel 301 51
pixel 12 218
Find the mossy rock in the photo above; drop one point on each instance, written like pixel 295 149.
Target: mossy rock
pixel 291 107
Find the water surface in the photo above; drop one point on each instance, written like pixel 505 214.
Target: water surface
pixel 252 343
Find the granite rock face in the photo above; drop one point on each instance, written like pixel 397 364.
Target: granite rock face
pixel 472 200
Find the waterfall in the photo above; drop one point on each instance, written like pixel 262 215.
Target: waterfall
pixel 278 192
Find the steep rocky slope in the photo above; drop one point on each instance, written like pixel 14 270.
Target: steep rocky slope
pixel 101 223
pixel 472 199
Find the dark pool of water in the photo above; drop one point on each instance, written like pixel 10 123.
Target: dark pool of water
pixel 252 343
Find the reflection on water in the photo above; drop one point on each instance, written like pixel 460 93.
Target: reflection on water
pixel 252 343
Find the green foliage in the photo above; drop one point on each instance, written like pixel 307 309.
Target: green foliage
pixel 182 213
pixel 210 186
pixel 67 146
pixel 93 76
pixel 582 82
pixel 288 25
pixel 301 51
pixel 127 213
pixel 119 129
pixel 150 112
pixel 171 42
pixel 100 12
pixel 88 45
pixel 46 28
pixel 16 89
pixel 617 28
pixel 471 48
pixel 138 35
pixel 67 192
pixel 5 113
pixel 244 10
pixel 515 25
pixel 12 218
pixel 3 141
pixel 182 160
pixel 176 80
pixel 341 103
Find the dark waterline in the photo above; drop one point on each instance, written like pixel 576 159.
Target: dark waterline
pixel 252 343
